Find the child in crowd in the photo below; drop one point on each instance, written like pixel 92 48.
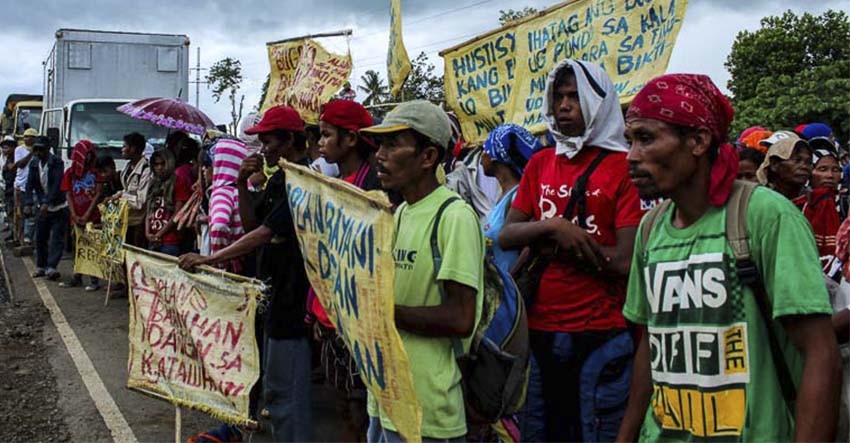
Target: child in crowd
pixel 166 195
pixel 107 174
pixel 83 192
pixel 749 161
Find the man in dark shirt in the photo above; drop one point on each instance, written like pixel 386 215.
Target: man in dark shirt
pixel 44 199
pixel 287 347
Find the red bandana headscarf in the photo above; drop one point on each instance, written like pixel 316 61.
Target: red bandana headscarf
pixel 692 100
pixel 78 158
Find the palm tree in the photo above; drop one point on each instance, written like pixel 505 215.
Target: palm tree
pixel 374 87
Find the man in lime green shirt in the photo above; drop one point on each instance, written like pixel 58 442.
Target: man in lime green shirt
pixel 712 364
pixel 413 139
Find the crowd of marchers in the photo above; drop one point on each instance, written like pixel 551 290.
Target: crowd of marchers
pixel 686 283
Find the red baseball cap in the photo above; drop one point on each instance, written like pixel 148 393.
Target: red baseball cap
pixel 278 117
pixel 346 114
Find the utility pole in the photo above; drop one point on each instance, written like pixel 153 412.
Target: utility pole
pixel 198 81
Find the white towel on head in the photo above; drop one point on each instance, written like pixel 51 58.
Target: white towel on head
pixel 600 107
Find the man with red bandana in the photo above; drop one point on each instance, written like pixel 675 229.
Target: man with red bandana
pixel 705 368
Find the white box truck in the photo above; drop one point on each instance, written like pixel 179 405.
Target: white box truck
pixel 88 74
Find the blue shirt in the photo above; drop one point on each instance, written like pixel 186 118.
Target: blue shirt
pixel 504 260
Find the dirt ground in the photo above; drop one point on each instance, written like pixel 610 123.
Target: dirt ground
pixel 29 396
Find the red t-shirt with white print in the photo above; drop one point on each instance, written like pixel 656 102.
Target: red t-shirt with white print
pixel 569 299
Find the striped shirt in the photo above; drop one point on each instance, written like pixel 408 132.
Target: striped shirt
pixel 225 225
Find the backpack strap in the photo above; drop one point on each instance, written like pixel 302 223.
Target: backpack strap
pixel 577 205
pixel 438 261
pixel 748 274
pixel 650 220
pixel 736 223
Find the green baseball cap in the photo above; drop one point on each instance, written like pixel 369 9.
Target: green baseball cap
pixel 421 116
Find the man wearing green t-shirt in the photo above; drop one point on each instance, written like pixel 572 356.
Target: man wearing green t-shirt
pixel 705 368
pixel 413 139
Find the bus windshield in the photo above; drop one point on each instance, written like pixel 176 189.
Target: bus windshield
pixel 105 127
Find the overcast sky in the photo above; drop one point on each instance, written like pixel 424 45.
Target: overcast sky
pixel 240 29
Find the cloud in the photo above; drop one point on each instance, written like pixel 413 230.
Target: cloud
pixel 226 28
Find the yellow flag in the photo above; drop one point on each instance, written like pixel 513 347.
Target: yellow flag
pixel 318 76
pixel 500 77
pixel 398 64
pixel 114 229
pixel 283 59
pixel 304 76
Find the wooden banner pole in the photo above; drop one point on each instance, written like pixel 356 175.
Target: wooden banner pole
pixel 178 423
pixel 343 33
pixel 108 289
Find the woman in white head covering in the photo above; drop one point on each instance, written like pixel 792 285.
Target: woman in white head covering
pixel 600 107
pixel 577 211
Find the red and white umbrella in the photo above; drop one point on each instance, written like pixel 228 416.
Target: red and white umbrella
pixel 170 113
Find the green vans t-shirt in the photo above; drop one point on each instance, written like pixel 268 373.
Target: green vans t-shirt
pixel 712 372
pixel 436 376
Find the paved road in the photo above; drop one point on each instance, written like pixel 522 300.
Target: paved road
pixel 102 332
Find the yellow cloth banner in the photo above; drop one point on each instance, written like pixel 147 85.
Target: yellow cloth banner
pixel 113 217
pixel 317 76
pixel 89 260
pixel 398 64
pixel 283 59
pixel 192 339
pixel 501 77
pixel 346 236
